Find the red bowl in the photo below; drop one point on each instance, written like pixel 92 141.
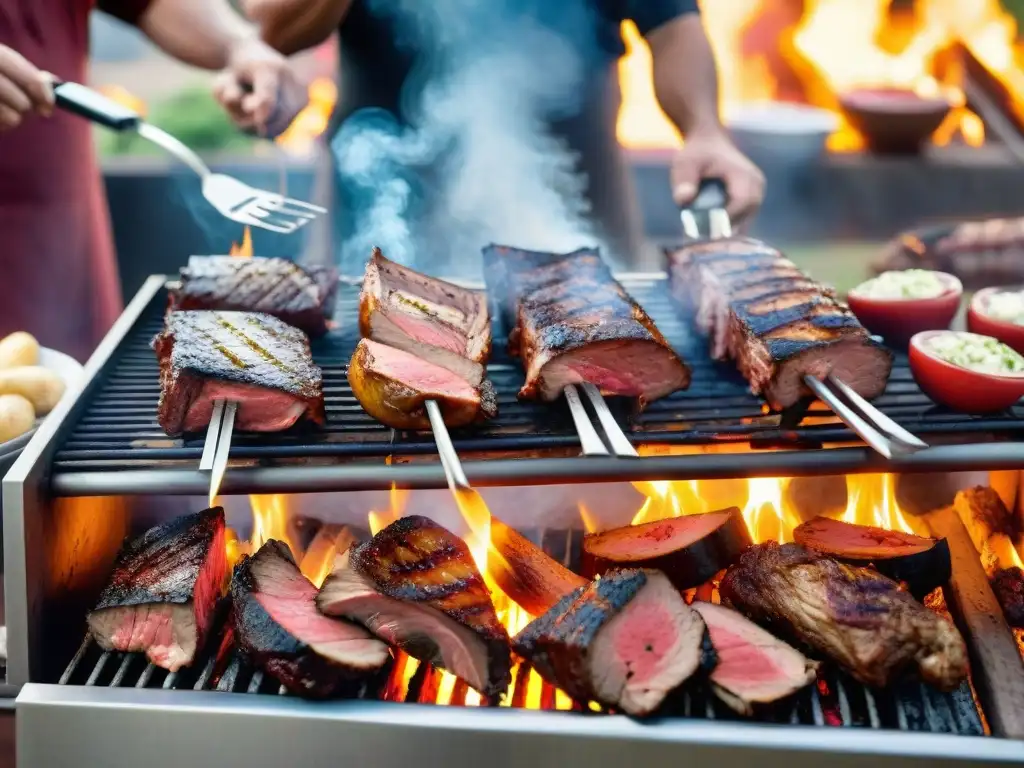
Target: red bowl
pixel 897 320
pixel 893 120
pixel 979 321
pixel 961 388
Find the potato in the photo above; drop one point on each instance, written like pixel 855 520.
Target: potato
pixel 17 416
pixel 41 386
pixel 19 349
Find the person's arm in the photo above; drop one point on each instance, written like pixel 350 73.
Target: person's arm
pixel 291 26
pixel 686 86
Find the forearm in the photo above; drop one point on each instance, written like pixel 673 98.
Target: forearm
pixel 685 76
pixel 291 26
pixel 198 32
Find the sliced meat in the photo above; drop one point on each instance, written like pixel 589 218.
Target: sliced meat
pixel 854 615
pixel 996 532
pixel 625 640
pixel 1008 585
pixel 525 573
pixel 394 386
pixel 300 297
pixel 255 360
pixel 754 667
pixel 440 322
pixel 415 586
pixel 923 563
pixel 280 629
pixel 774 322
pixel 161 597
pixel 689 549
pixel 570 321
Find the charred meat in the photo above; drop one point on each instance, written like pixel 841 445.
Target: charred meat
pixel 255 360
pixel 439 322
pixel 570 321
pixel 754 667
pixel 852 614
pixel 1008 585
pixel 415 586
pixel 161 597
pixel 300 297
pixel 394 386
pixel 280 629
pixel 625 640
pixel 777 324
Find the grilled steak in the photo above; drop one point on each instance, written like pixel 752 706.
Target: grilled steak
pixel 776 323
pixel 278 626
pixel 300 297
pixel 415 585
pixel 980 253
pixel 393 386
pixel 625 640
pixel 254 360
pixel 854 615
pixel 161 596
pixel 442 323
pixel 570 321
pixel 754 667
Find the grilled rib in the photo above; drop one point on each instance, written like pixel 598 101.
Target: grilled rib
pixel 255 360
pixel 775 322
pixel 570 321
pixel 298 296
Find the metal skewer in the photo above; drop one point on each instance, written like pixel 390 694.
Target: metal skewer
pixel 589 439
pixel 453 471
pixel 218 444
pixel 616 437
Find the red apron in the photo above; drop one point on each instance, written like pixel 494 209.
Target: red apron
pixel 59 276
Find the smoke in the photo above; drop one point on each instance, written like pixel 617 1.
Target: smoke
pixel 473 162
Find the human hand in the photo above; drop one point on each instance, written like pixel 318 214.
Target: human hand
pixel 23 89
pixel 259 89
pixel 715 156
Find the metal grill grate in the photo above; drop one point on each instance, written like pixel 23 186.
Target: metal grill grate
pixel 836 700
pixel 118 428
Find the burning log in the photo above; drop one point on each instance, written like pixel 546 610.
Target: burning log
pixel 525 573
pixel 996 533
pixel 1008 585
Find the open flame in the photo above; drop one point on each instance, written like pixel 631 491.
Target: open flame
pixel 243 250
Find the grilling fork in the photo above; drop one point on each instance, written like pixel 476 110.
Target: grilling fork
pixel 875 428
pixel 233 199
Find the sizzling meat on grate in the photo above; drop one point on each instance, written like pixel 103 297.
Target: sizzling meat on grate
pixel 415 585
pixel 570 321
pixel 161 596
pixel 301 297
pixel 278 626
pixel 625 640
pixel 442 323
pixel 771 319
pixel 393 386
pixel 855 615
pixel 255 360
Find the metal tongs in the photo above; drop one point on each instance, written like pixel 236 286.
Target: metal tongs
pixel 233 199
pixel 875 428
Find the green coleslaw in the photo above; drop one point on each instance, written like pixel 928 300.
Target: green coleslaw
pixel 904 284
pixel 976 353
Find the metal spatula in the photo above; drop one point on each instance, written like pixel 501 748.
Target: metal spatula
pixel 233 199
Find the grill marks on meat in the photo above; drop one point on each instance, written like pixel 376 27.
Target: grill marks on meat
pixel 415 586
pixel 394 386
pixel 777 324
pixel 854 615
pixel 278 626
pixel 570 321
pixel 444 324
pixel 300 297
pixel 256 360
pixel 163 591
pixel 625 640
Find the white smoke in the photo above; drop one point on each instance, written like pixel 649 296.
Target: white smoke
pixel 496 174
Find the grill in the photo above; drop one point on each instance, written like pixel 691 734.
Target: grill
pixel 117 428
pixel 836 700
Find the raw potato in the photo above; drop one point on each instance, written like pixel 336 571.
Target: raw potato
pixel 17 416
pixel 40 385
pixel 19 349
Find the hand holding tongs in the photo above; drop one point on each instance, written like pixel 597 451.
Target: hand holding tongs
pixel 875 428
pixel 232 198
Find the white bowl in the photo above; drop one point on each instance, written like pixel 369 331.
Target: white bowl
pixel 70 370
pixel 788 133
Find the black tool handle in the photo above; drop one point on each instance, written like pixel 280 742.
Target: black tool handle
pixel 94 106
pixel 710 195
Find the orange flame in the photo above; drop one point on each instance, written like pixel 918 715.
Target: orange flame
pixel 300 137
pixel 243 250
